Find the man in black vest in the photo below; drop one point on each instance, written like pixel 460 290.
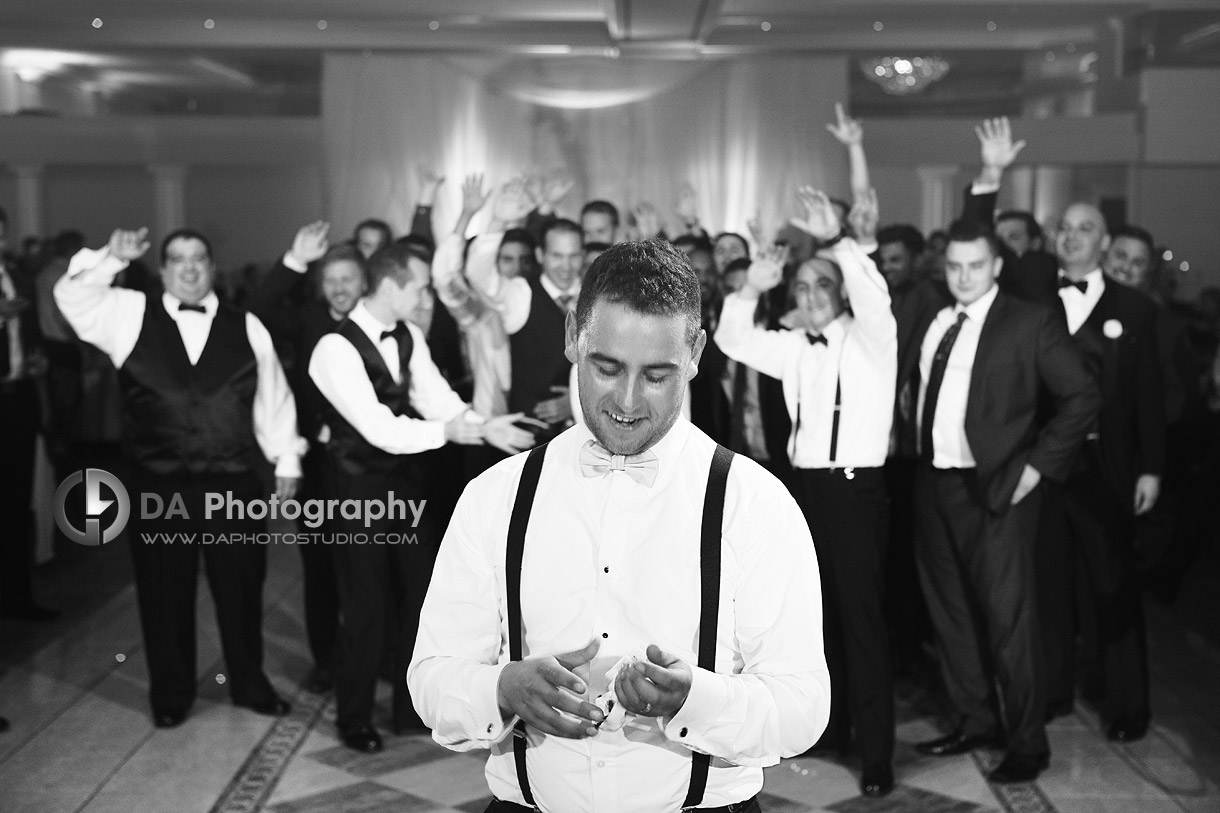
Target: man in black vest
pixel 533 311
pixel 203 392
pixel 633 539
pixel 385 404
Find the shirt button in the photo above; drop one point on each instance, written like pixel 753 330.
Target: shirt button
pixel 682 733
pixel 601 764
pixel 490 727
pixel 605 635
pixel 606 569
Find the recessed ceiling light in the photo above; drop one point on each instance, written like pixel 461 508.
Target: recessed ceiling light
pixel 209 24
pixel 97 22
pixel 877 26
pixel 991 26
pixel 321 25
pixel 434 25
pixel 766 26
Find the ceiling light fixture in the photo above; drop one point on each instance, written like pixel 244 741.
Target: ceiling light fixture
pixel 903 76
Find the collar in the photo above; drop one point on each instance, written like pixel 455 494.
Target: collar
pixel 554 291
pixel 837 329
pixel 668 449
pixel 370 324
pixel 977 310
pixel 210 304
pixel 1094 279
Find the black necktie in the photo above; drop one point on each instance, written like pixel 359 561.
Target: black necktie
pixel 1082 285
pixel 182 306
pixel 935 376
pixel 816 338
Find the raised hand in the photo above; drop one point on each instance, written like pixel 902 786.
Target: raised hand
pixel 128 245
pixel 558 184
pixel 647 221
pixel 546 693
pixel 864 216
pixel 311 242
pixel 847 130
pixel 820 219
pixel 996 144
pixel 512 203
pixel 473 196
pixel 656 687
pixel 754 225
pixel 767 269
pixel 688 206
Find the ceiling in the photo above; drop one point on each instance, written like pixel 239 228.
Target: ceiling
pixel 263 56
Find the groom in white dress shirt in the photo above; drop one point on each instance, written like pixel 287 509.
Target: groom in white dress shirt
pixel 612 559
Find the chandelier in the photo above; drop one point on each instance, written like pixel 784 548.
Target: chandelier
pixel 903 76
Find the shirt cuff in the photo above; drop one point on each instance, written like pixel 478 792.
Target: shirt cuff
pixel 291 263
pixel 98 266
pixel 485 705
pixel 977 188
pixel 289 465
pixel 701 711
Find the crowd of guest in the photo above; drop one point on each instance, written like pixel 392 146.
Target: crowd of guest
pixel 999 434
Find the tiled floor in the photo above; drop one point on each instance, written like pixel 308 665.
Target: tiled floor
pixel 82 740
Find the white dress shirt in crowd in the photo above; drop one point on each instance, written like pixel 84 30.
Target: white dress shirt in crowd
pixel 951 450
pixel 611 559
pixel 861 350
pixel 512 297
pixel 338 372
pixel 111 319
pixel 1077 304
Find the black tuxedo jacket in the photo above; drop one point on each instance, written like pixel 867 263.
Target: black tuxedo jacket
pixel 1024 354
pixel 1119 341
pixel 1034 276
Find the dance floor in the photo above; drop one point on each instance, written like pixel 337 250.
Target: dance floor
pixel 82 740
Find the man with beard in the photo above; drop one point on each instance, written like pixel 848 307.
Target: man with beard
pixel 629 543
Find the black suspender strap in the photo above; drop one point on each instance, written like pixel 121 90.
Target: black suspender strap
pixel 513 555
pixel 709 611
pixel 834 426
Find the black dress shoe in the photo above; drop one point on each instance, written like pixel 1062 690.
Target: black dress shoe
pixel 363 738
pixel 169 718
pixel 956 743
pixel 1127 729
pixel 273 706
pixel 1019 768
pixel 320 681
pixel 876 780
pixel 30 612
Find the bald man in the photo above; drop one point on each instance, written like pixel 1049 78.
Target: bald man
pixel 1088 523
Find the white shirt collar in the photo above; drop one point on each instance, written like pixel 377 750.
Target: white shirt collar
pixel 210 303
pixel 553 290
pixel 370 324
pixel 667 449
pixel 977 310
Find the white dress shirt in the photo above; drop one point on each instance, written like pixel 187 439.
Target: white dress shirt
pixel 607 558
pixel 861 350
pixel 951 450
pixel 512 297
pixel 338 372
pixel 1078 305
pixel 111 319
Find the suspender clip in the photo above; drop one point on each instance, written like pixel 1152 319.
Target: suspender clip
pixel 849 473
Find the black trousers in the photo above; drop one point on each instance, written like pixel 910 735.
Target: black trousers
pixel 977 570
pixel 848 518
pixel 749 806
pixel 318 566
pixel 1087 555
pixel 19 417
pixel 166 573
pixel 379 585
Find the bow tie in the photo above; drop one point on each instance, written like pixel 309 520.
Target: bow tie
pixel 596 461
pixel 182 306
pixel 394 332
pixel 1082 285
pixel 816 338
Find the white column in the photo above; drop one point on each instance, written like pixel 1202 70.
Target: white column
pixel 1020 182
pixel 29 201
pixel 1052 192
pixel 169 193
pixel 938 197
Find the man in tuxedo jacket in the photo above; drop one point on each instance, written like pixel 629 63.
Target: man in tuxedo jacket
pixel 1116 479
pixel 982 362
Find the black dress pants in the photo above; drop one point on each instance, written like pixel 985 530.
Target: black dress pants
pixel 318 566
pixel 19 416
pixel 977 570
pixel 1088 552
pixel 382 581
pixel 848 518
pixel 166 570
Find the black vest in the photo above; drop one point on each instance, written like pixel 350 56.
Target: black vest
pixel 180 419
pixel 347 447
pixel 537 353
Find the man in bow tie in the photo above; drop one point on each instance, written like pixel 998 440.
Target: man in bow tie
pixel 631 540
pixel 385 402
pixel 838 376
pixel 203 392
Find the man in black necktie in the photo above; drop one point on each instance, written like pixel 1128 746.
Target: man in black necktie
pixel 1088 525
pixel 983 362
pixel 385 403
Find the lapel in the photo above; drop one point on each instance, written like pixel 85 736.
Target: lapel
pixel 991 336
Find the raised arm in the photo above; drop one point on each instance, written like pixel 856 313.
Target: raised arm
pixel 850 133
pixel 286 281
pixel 768 351
pixel 510 297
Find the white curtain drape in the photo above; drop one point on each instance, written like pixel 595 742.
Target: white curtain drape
pixel 744 133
